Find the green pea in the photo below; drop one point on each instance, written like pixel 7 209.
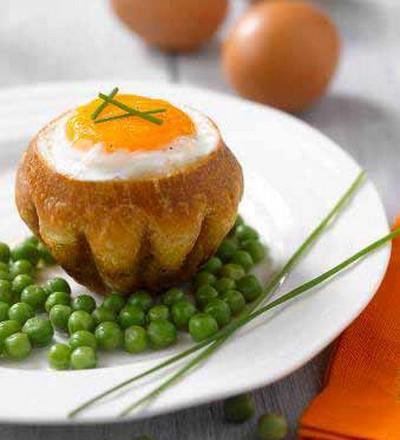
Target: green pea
pixel 4 253
pixel 131 315
pixel 223 284
pixel 57 298
pixel 59 356
pixel 239 409
pixel 232 270
pixel 109 336
pixel 103 314
pixel 39 330
pixel 83 358
pixel 57 285
pixel 235 300
pixel 21 312
pixel 243 258
pixel 250 287
pixel 7 328
pixel 4 267
pixel 181 312
pixel 35 296
pixel 82 338
pixel 32 241
pixel 45 254
pixel 204 295
pixel 173 295
pixel 20 282
pixel 161 333
pixel 202 326
pixel 80 320
pixel 142 299
pixel 226 249
pixel 220 310
pixel 213 265
pixel 4 307
pixel 245 232
pixel 159 311
pixel 27 252
pixel 135 339
pixel 272 427
pixel 59 316
pixel 84 302
pixel 204 279
pixel 6 292
pixel 17 346
pixel 239 221
pixel 114 302
pixel 255 249
pixel 5 275
pixel 21 267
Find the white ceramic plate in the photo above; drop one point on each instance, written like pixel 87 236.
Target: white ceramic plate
pixel 293 175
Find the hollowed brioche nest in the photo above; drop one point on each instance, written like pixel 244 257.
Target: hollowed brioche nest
pixel 123 234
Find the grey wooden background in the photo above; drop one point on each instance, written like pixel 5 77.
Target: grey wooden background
pixel 73 40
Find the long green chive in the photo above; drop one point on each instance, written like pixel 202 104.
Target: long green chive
pixel 329 274
pixel 129 115
pixel 104 104
pixel 130 110
pixel 275 282
pixel 279 278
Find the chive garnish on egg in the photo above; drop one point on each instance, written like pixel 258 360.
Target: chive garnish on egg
pixel 109 99
pixel 130 110
pixel 129 115
pixel 104 104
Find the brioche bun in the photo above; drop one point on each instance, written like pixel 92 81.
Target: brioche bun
pixel 119 235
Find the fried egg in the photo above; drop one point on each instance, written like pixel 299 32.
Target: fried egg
pixel 81 148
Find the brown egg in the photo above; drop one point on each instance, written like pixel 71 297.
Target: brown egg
pixel 283 54
pixel 177 25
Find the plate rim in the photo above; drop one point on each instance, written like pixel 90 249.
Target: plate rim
pixel 58 87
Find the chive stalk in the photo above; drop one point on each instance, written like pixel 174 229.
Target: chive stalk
pixel 129 115
pixel 326 276
pixel 271 287
pixel 130 110
pixel 104 104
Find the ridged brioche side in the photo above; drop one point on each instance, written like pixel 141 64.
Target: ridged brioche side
pixel 124 234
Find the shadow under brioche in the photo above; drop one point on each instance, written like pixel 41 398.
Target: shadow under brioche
pixel 124 234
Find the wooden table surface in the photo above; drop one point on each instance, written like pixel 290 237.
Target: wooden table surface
pixel 75 40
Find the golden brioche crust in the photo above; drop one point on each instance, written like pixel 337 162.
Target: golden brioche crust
pixel 124 234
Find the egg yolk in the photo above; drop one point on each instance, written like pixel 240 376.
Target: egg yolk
pixel 131 133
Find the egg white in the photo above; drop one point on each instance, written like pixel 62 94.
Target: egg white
pixel 97 165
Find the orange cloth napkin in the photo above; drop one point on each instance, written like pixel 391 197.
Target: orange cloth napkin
pixel 362 395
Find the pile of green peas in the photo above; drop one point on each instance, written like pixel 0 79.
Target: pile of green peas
pixel 20 299
pixel 29 312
